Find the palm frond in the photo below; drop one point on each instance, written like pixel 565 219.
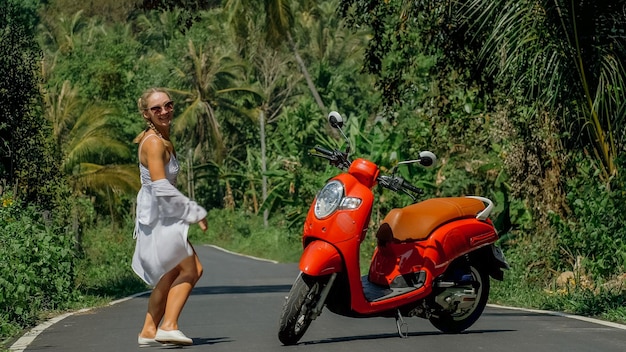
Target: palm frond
pixel 119 179
pixel 279 20
pixel 61 105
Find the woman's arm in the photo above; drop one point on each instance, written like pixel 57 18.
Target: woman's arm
pixel 153 156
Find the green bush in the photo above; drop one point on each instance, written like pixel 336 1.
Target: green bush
pixel 590 241
pixel 104 269
pixel 38 265
pixel 594 233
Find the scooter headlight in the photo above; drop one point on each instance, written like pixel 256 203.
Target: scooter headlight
pixel 328 199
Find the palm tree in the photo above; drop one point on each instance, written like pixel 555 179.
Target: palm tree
pixel 157 29
pixel 88 146
pixel 268 60
pixel 61 105
pixel 276 90
pixel 212 78
pixel 61 35
pixel 279 23
pixel 330 41
pixel 566 56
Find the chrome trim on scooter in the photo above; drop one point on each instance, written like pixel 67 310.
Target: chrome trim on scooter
pixel 483 215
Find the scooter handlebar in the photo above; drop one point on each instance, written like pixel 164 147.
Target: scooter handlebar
pixel 397 183
pixel 323 151
pixel 336 157
pixel 411 188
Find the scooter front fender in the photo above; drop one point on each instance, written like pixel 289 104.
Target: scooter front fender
pixel 320 258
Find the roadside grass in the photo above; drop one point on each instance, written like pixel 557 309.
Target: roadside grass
pixel 245 233
pixel 595 302
pixel 104 272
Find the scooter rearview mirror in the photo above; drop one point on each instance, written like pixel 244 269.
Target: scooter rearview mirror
pixel 335 120
pixel 427 158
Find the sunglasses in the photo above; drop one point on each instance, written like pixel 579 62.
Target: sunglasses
pixel 169 106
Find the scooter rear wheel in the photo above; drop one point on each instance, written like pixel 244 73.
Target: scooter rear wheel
pixel 297 313
pixel 458 321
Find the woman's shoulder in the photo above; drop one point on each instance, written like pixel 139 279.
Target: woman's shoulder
pixel 151 140
pixel 156 146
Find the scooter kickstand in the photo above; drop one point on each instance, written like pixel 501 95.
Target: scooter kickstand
pixel 403 328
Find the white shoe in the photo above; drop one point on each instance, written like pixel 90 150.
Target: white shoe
pixel 146 342
pixel 173 336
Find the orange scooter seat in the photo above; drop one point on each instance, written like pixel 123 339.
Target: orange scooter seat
pixel 417 221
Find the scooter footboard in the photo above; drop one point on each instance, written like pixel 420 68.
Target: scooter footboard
pixel 320 258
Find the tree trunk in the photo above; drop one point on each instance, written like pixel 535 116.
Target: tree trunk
pixel 229 199
pixel 190 183
pixel 263 164
pixel 306 75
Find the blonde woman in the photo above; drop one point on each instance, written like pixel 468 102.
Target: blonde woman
pixel 163 256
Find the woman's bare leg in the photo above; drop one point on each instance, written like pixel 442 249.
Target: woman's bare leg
pixel 189 272
pixel 157 303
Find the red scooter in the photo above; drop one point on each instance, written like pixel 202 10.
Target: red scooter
pixel 433 258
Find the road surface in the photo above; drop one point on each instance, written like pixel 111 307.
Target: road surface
pixel 236 304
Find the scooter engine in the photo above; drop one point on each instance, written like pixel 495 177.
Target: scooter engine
pixel 456 299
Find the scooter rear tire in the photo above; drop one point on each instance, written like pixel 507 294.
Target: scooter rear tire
pixel 297 313
pixel 454 324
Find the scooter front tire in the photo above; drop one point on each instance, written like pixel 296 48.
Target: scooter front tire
pixel 297 313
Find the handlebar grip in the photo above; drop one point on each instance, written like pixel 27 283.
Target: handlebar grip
pixel 411 188
pixel 323 151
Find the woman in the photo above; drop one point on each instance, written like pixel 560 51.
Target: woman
pixel 163 256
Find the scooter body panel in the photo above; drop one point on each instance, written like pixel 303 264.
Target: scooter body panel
pixel 320 258
pixel 345 229
pixel 433 254
pixel 343 225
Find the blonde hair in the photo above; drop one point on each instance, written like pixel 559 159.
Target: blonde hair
pixel 142 105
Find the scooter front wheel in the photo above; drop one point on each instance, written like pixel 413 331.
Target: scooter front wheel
pixel 298 310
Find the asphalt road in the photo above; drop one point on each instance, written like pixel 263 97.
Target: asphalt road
pixel 236 305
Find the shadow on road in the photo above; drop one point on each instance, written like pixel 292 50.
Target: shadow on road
pixel 210 341
pixel 221 290
pixel 517 314
pixel 196 341
pixel 395 336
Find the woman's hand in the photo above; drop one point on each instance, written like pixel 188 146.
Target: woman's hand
pixel 203 225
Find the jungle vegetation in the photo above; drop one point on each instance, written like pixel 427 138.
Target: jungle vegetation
pixel 522 101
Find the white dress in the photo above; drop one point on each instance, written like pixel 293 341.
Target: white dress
pixel 161 223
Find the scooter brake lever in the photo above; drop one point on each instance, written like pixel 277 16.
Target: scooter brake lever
pixel 397 182
pixel 413 197
pixel 400 184
pixel 323 156
pixel 385 181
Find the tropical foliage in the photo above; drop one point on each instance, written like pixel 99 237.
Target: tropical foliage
pixel 537 85
pixel 522 101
